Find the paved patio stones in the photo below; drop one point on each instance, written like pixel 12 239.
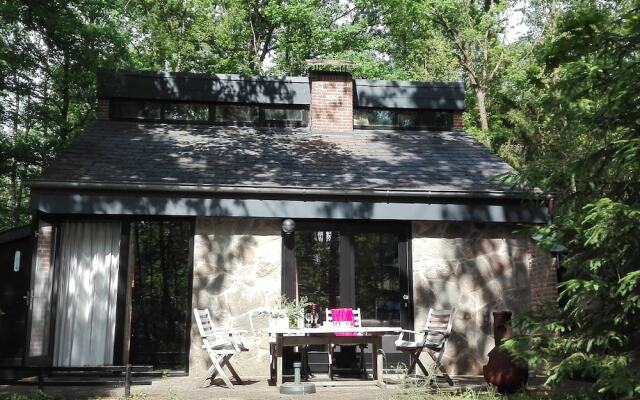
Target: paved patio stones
pixel 187 388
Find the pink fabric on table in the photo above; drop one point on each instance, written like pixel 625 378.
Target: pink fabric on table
pixel 341 315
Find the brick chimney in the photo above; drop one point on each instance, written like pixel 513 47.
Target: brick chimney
pixel 331 108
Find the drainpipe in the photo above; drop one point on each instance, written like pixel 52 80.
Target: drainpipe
pixel 551 205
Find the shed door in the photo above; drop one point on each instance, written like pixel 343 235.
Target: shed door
pixel 15 275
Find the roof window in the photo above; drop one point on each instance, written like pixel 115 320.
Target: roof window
pixel 191 112
pixel 367 118
pixel 210 113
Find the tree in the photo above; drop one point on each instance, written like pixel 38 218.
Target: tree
pixel 401 43
pixel 473 30
pixel 588 87
pixel 49 54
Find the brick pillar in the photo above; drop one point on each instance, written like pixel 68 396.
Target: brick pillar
pixel 102 110
pixel 45 246
pixel 331 101
pixel 457 121
pixel 543 276
pixel 41 292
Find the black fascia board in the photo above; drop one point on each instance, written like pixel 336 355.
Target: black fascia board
pixel 112 202
pixel 387 94
pixel 277 90
pixel 191 87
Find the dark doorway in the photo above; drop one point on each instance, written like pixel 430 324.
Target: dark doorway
pixel 160 282
pixel 15 275
pixel 353 264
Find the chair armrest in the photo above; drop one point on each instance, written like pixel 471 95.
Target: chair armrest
pixel 403 331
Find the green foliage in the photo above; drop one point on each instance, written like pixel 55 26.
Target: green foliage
pixel 34 395
pixel 588 149
pixel 291 308
pixel 49 53
pixel 142 396
pixel 560 104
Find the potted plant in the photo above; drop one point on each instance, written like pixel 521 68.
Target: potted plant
pixel 285 313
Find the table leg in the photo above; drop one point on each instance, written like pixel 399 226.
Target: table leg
pixel 379 363
pixel 272 363
pixel 374 359
pixel 279 361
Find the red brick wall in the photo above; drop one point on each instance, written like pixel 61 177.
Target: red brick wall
pixel 543 276
pixel 457 121
pixel 102 111
pixel 45 245
pixel 41 288
pixel 331 102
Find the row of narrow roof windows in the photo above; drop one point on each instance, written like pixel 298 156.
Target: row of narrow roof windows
pixel 208 113
pixel 269 115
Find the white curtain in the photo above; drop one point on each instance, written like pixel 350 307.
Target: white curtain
pixel 87 294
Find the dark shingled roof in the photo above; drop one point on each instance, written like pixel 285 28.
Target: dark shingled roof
pixel 112 152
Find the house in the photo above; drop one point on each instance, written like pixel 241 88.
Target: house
pixel 175 198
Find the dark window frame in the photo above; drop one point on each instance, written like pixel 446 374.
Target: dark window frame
pixel 396 126
pixel 347 229
pixel 56 221
pixel 260 122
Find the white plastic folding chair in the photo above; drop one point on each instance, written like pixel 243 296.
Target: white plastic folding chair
pixel 220 345
pixel 357 323
pixel 435 336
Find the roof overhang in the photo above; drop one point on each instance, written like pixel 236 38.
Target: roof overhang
pixel 283 190
pixel 10 235
pixel 308 204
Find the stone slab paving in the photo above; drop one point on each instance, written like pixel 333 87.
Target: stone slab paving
pixel 187 388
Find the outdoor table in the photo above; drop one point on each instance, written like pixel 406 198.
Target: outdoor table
pixel 326 335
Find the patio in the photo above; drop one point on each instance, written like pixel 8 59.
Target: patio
pixel 175 388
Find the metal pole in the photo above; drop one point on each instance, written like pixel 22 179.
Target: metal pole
pixel 127 381
pixel 41 378
pixel 296 372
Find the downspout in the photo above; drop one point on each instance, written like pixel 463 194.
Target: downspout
pixel 551 206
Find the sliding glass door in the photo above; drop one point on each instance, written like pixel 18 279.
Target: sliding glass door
pixel 87 294
pixel 358 265
pixel 379 280
pixel 160 293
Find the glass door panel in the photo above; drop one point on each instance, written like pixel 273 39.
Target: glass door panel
pixel 377 278
pixel 318 273
pixel 161 299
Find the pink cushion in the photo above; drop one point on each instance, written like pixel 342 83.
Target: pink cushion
pixel 340 316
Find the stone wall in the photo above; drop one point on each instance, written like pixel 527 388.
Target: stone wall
pixel 237 272
pixel 477 269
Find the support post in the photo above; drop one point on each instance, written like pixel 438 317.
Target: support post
pixel 127 381
pixel 41 378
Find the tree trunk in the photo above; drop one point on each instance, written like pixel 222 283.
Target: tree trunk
pixel 15 212
pixel 64 110
pixel 481 94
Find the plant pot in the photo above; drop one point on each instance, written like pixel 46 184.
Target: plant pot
pixel 501 371
pixel 278 323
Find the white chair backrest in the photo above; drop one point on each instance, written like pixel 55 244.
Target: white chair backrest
pixel 357 317
pixel 204 322
pixel 440 321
